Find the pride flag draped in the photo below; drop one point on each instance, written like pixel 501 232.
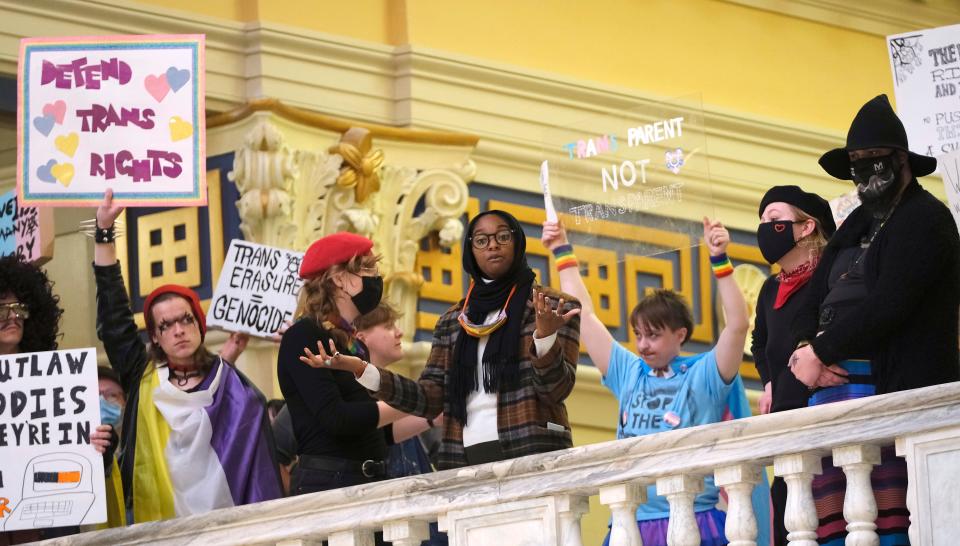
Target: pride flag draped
pixel 201 450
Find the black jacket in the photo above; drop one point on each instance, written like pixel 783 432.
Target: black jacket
pixel 128 358
pixel 908 325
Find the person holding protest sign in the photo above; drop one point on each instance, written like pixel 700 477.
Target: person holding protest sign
pixel 503 360
pixel 882 314
pixel 179 393
pixel 30 322
pixel 794 229
pixel 659 390
pixel 336 423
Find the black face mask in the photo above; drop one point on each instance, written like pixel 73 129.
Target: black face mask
pixel 775 239
pixel 369 297
pixel 877 181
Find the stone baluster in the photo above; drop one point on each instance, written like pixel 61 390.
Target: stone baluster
pixel 739 481
pixel 859 503
pixel 681 490
pixel 623 500
pixel 800 518
pixel 406 533
pixel 353 537
pixel 570 508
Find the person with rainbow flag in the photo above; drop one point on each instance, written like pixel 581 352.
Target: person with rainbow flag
pixel 195 434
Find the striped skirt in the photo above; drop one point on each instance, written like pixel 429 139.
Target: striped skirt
pixel 889 479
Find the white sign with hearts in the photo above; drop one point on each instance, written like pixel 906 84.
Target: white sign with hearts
pixel 120 112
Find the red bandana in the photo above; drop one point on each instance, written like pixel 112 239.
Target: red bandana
pixel 793 281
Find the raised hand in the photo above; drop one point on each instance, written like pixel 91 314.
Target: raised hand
pixel 715 236
pixel 553 235
pixel 107 212
pixel 549 319
pixel 234 347
pixel 100 439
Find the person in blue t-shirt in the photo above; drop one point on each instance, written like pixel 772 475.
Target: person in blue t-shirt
pixel 661 390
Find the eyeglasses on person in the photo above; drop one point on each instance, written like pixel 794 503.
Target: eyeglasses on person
pixel 481 241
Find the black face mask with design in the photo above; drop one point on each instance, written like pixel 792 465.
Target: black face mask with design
pixel 369 297
pixel 775 239
pixel 878 181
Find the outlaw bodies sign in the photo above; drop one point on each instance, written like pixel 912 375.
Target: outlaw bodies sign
pixel 257 290
pixel 50 474
pixel 121 112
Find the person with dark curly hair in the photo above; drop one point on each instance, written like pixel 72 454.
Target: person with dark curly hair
pixel 29 323
pixel 29 310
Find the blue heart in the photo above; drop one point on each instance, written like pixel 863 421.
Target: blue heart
pixel 43 171
pixel 44 124
pixel 177 78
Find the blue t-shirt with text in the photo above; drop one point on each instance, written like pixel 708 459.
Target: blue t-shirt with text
pixel 694 395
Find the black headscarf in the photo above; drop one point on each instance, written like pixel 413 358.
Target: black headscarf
pixel 501 355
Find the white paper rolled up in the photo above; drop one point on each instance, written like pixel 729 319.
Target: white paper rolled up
pixel 545 186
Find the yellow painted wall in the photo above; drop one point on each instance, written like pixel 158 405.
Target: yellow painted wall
pixel 740 58
pixel 744 59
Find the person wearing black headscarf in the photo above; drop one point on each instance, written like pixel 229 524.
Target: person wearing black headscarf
pixel 503 359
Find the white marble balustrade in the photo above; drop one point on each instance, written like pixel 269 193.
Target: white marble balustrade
pixel 538 500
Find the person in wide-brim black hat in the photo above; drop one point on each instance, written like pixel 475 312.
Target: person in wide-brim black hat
pixel 882 312
pixel 875 126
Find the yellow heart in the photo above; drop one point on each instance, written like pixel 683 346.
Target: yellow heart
pixel 67 144
pixel 63 172
pixel 180 129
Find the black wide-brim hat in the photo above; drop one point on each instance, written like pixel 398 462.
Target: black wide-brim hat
pixel 875 126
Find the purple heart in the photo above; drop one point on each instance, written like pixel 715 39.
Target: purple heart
pixel 44 124
pixel 177 78
pixel 43 171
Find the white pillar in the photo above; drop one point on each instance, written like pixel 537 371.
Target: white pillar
pixel 681 490
pixel 859 503
pixel 406 533
pixel 353 537
pixel 623 500
pixel 570 508
pixel 739 481
pixel 800 518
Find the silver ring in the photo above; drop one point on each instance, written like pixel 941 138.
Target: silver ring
pixel 335 354
pixel 327 362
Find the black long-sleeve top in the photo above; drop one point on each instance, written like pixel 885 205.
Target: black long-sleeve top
pixel 333 415
pixel 908 323
pixel 773 344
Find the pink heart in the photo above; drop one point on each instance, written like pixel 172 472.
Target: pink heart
pixel 157 86
pixel 57 109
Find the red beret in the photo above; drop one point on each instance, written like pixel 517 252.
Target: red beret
pixel 333 249
pixel 192 298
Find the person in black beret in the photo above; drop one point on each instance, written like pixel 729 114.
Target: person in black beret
pixel 795 227
pixel 882 312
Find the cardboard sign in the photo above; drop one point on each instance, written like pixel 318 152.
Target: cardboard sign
pixel 926 79
pixel 25 231
pixel 50 474
pixel 257 290
pixel 949 167
pixel 121 112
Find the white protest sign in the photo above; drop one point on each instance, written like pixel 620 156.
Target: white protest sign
pixel 120 112
pixel 50 474
pixel 547 198
pixel 926 73
pixel 257 289
pixel 949 166
pixel 842 206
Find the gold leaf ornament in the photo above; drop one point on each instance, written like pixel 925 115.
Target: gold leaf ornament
pixel 361 168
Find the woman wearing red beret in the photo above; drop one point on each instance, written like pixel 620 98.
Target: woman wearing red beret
pixel 335 420
pixel 503 359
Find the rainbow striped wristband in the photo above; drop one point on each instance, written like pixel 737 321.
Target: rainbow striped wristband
pixel 565 257
pixel 721 266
